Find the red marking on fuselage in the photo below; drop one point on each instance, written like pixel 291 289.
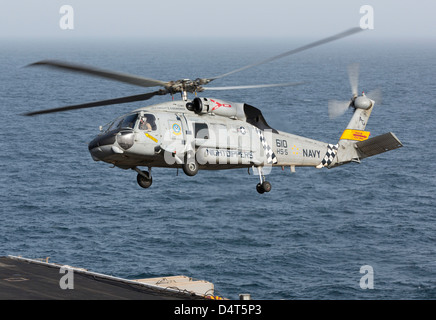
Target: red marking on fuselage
pixel 218 105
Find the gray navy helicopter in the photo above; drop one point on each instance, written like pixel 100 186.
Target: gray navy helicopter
pixel 212 134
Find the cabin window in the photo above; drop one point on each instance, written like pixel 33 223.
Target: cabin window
pixel 201 130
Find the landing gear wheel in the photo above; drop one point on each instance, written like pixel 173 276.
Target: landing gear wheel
pixel 259 188
pixel 190 167
pixel 266 186
pixel 263 186
pixel 143 181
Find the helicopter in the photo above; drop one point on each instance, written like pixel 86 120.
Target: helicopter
pixel 212 134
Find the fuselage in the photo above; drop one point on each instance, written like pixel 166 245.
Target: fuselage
pixel 223 136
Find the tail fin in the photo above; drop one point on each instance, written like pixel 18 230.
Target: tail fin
pixel 355 144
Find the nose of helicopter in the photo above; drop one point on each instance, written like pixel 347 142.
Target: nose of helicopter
pixel 100 147
pixel 105 146
pixel 101 153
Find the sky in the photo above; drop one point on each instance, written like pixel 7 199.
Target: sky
pixel 214 19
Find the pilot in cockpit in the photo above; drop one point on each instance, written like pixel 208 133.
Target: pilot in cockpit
pixel 144 124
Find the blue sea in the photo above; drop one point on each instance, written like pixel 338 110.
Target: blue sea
pixel 306 239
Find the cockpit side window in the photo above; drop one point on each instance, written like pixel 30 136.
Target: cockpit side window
pixel 147 122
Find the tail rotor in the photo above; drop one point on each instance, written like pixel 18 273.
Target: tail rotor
pixel 337 108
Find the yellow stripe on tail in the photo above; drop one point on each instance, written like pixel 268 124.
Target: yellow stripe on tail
pixel 356 135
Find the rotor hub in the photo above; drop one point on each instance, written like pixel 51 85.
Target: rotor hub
pixel 362 102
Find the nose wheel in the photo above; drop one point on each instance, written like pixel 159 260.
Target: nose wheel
pixel 263 186
pixel 144 178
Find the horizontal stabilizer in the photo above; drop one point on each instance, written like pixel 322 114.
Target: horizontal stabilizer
pixel 379 144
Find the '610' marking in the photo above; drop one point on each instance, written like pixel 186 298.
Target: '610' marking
pixel 282 146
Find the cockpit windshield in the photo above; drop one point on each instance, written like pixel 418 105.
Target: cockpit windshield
pixel 146 122
pixel 127 122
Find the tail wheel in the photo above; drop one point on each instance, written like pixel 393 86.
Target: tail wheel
pixel 144 180
pixel 190 166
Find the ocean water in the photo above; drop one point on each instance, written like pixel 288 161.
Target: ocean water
pixel 306 239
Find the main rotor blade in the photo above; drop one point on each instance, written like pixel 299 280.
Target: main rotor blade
pixel 139 97
pixel 288 53
pixel 255 86
pixel 118 76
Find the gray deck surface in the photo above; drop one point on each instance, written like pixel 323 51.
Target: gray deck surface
pixel 24 280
